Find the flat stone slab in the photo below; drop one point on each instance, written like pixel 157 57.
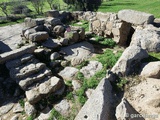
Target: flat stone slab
pixel 78 52
pixel 135 17
pixel 10 37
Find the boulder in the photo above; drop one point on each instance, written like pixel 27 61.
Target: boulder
pixel 101 100
pixel 50 44
pixel 52 13
pixel 91 69
pixel 38 36
pixel 6 108
pixel 29 22
pixel 58 30
pixel 54 56
pixel 53 21
pixel 72 36
pixel 68 73
pixel 29 109
pixel 124 111
pixel 17 109
pixel 145 98
pixel 130 60
pixel 148 38
pixel 76 85
pixel 45 114
pixel 62 107
pixel 135 17
pixel 151 70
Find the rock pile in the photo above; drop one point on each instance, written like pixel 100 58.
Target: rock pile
pixel 33 77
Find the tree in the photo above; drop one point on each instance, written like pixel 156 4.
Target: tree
pixel 3 8
pixel 85 5
pixel 50 2
pixel 38 5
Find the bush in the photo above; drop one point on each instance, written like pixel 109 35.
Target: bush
pixel 20 9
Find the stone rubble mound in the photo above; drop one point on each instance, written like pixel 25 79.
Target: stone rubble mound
pixel 33 77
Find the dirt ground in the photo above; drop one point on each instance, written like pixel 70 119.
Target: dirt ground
pixel 10 37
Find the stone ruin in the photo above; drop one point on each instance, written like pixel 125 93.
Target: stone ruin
pixel 44 36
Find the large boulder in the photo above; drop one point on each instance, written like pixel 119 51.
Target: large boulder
pixel 148 38
pixel 72 36
pixel 130 60
pixel 59 30
pixel 99 104
pixel 145 98
pixel 151 70
pixel 38 36
pixel 135 17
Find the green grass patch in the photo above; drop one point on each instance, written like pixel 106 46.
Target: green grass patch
pixel 108 42
pixel 153 56
pixel 149 6
pixel 21 102
pixel 84 24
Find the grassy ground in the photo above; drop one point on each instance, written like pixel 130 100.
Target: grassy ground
pixel 149 6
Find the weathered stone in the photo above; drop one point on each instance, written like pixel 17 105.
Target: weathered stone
pixel 38 36
pixel 101 100
pixel 18 108
pixel 5 108
pixel 63 107
pixel 103 16
pixel 58 30
pixel 16 53
pixel 90 70
pixel 148 38
pixel 89 92
pixel 129 62
pixel 15 117
pixel 135 17
pixel 151 70
pixel 33 95
pixel 29 109
pixel 68 73
pixel 52 13
pixel 125 111
pixel 64 41
pixel 72 36
pixel 79 52
pixel 145 98
pixel 29 22
pixel 54 56
pixel 76 85
pixel 50 43
pixel 45 114
pixel 96 23
pixel 53 21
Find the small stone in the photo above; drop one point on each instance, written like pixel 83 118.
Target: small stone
pixel 89 92
pixel 18 108
pixel 45 114
pixel 76 84
pixel 63 107
pixel 15 117
pixel 6 108
pixel 29 109
pixel 54 56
